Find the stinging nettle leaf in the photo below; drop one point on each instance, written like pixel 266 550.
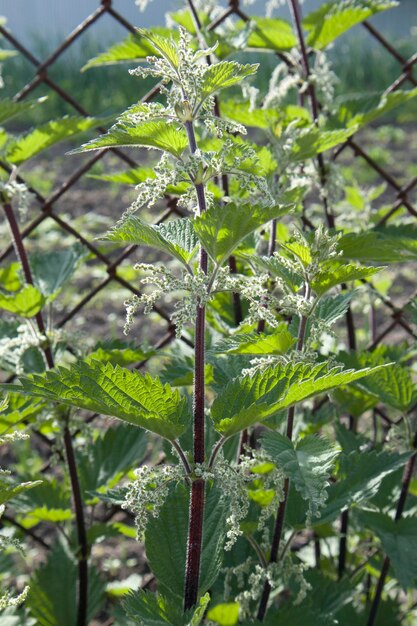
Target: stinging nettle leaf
pixel 307 463
pixel 278 342
pixel 134 47
pixel 253 398
pixel 271 34
pixel 43 137
pixel 333 273
pixel 364 472
pixel 51 270
pixel 361 109
pixel 158 135
pixel 224 74
pixel 399 540
pixel 26 302
pixel 332 19
pixel 176 238
pixel 118 392
pixel 222 229
pixel 10 108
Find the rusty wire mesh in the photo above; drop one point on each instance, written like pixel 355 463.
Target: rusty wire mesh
pixel 49 206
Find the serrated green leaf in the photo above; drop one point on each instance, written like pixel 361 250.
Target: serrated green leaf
pixel 393 385
pixel 134 47
pixel 334 273
pixel 26 302
pixel 163 46
pixel 166 541
pixel 176 238
pixel 24 148
pixel 250 399
pixel 362 109
pixel 224 74
pixel 278 342
pixel 47 602
pixel 99 387
pixel 332 19
pixel 271 34
pixel 146 608
pixel 18 409
pixel 222 229
pixel 110 457
pixel 51 270
pixel 313 141
pixel 119 353
pixel 158 135
pixel 364 472
pixel 7 492
pixel 391 244
pixel 331 308
pixel 307 463
pixel 10 108
pixel 399 540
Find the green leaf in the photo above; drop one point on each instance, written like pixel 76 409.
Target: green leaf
pixel 51 270
pixel 278 342
pixel 110 457
pixel 253 398
pixel 331 308
pixel 224 74
pixel 399 540
pixel 163 46
pixel 166 541
pixel 222 228
pixel 199 613
pixel 332 19
pixel 134 47
pixel 308 464
pixel 7 492
pixel 119 353
pixel 364 472
pixel 146 608
pixel 10 277
pixel 313 141
pixel 334 273
pixel 10 108
pixel 43 137
pixel 362 109
pixel 158 135
pixel 99 387
pixel 391 244
pixel 26 302
pixel 393 385
pixel 226 614
pixel 271 34
pixel 47 601
pixel 17 410
pixel 176 238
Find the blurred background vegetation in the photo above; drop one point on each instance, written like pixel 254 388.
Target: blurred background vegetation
pixel 361 63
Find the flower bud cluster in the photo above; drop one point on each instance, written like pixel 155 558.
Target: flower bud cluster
pixel 148 492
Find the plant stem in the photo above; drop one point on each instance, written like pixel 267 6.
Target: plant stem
pixel 407 475
pixel 279 523
pixel 195 529
pixel 69 449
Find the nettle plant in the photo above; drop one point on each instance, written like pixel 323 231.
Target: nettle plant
pixel 265 507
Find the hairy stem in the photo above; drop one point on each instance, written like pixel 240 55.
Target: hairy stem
pixel 69 449
pixel 195 529
pixel 405 486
